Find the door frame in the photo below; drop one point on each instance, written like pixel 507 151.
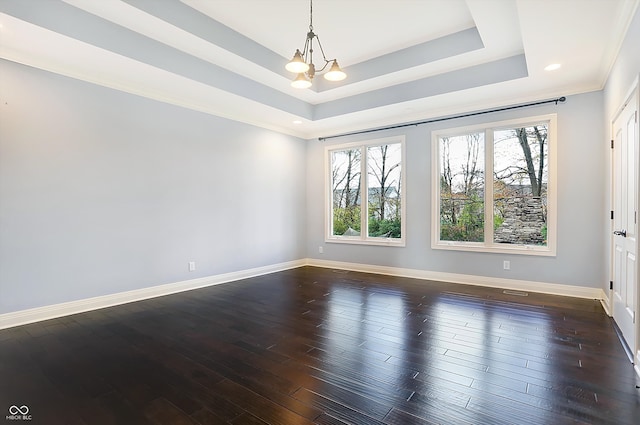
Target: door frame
pixel 633 91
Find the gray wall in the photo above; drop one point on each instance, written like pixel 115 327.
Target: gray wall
pixel 103 192
pixel 582 184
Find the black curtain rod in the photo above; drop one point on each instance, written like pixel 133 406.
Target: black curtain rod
pixel 452 117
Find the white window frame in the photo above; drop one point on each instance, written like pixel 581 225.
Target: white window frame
pixel 488 245
pixel 363 238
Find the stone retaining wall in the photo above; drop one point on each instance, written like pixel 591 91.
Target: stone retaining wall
pixel 523 222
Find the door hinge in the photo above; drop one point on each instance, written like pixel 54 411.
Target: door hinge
pixel 611 284
pixel 611 143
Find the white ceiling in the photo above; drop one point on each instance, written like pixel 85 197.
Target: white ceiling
pixel 406 60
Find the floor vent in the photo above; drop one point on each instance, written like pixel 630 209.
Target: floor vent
pixel 517 293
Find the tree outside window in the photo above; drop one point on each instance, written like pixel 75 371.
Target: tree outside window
pixel 512 209
pixel 369 174
pixel 462 188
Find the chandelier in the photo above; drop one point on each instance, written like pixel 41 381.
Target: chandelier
pixel 302 62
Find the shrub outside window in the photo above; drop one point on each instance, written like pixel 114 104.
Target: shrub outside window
pixel 494 187
pixel 370 174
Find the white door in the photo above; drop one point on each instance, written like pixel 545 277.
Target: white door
pixel 625 217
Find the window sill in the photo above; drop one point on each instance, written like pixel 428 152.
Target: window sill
pixel 496 249
pixel 398 243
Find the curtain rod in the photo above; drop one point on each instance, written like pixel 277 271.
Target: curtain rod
pixel 447 118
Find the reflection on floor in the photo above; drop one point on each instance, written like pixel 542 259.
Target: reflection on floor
pixel 313 345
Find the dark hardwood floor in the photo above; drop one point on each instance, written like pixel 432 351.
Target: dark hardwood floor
pixel 320 346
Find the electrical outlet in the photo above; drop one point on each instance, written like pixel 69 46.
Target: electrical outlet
pixel 320 249
pixel 506 265
pixel 192 266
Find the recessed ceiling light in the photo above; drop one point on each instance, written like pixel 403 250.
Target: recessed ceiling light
pixel 297 122
pixel 552 67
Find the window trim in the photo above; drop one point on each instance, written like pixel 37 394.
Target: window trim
pixel 364 239
pixel 552 205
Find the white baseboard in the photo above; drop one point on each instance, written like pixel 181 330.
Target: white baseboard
pixel 494 282
pixel 606 303
pixel 23 317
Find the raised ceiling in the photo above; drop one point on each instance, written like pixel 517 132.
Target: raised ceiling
pixel 406 60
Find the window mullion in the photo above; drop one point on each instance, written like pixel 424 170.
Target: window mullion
pixel 488 187
pixel 364 194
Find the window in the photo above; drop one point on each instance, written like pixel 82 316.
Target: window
pixel 494 187
pixel 369 174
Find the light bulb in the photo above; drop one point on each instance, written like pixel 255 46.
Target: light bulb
pixel 297 64
pixel 301 82
pixel 335 73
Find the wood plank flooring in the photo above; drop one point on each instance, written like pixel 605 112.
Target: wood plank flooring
pixel 321 346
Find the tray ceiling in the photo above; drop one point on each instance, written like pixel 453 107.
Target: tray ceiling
pixel 406 60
